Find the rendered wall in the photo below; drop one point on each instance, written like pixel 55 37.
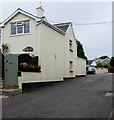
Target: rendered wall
pixel 80 66
pixel 52 54
pixel 29 77
pixel 70 55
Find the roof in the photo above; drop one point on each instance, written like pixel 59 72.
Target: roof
pixel 51 26
pixel 40 8
pixel 63 26
pixel 60 28
pixel 23 12
pixel 89 62
pixel 103 61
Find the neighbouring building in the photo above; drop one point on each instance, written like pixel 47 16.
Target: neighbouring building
pixel 103 61
pixel 54 47
pixel 91 63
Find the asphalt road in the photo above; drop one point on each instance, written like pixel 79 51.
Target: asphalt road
pixel 81 97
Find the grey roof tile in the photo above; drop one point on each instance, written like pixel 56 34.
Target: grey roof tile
pixel 63 26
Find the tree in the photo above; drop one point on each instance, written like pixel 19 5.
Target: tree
pixel 80 50
pixel 112 62
pixel 103 57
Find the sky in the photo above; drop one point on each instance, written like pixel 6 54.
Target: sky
pixel 96 38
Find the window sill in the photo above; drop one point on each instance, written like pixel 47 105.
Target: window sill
pixel 19 34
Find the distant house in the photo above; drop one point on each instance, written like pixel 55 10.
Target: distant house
pixel 91 63
pixel 53 46
pixel 103 61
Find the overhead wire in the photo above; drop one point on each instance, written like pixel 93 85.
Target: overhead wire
pixel 96 23
pixel 106 22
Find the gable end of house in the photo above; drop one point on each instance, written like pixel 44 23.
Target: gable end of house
pixel 22 12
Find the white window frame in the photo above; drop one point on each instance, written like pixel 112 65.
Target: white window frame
pixel 22 22
pixel 17 26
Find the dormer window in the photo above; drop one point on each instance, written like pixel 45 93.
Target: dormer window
pixel 21 27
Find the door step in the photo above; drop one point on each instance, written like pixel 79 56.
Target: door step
pixel 11 87
pixel 10 92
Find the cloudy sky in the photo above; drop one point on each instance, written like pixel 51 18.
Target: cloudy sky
pixel 85 16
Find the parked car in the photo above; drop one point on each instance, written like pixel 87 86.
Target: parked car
pixel 90 70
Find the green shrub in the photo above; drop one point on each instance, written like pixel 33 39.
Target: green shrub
pixel 111 69
pixel 106 65
pixel 112 62
pixel 103 65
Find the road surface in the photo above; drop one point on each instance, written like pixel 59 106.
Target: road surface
pixel 81 97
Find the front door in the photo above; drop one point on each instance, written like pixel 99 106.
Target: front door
pixel 11 70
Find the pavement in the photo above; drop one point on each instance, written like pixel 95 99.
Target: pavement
pixel 5 93
pixel 10 92
pixel 81 97
pixel 1 86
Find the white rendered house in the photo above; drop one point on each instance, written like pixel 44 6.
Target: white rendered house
pixel 55 45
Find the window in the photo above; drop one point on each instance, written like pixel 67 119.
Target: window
pixel 71 66
pixel 20 27
pixel 70 46
pixel 13 29
pixel 26 27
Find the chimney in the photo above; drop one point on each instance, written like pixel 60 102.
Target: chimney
pixel 40 12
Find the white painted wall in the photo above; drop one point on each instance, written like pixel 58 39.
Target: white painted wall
pixel 29 77
pixel 80 66
pixel 94 64
pixel 52 54
pixel 68 54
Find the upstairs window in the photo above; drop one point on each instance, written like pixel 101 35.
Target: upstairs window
pixel 70 46
pixel 13 28
pixel 20 27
